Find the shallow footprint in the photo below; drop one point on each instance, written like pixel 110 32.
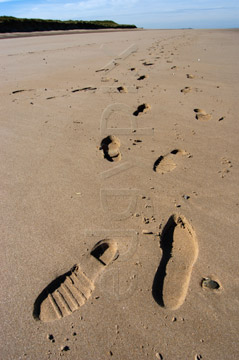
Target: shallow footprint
pixel 180 252
pixel 70 291
pixel 147 63
pixel 186 90
pixel 202 115
pixel 167 163
pixel 110 146
pixel 190 76
pixel 122 89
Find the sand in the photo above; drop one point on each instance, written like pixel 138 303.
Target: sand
pixel 163 188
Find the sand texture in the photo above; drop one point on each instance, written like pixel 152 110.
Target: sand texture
pixel 119 195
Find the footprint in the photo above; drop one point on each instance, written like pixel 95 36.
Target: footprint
pixel 68 292
pixel 186 90
pixel 142 77
pixel 166 163
pixel 142 109
pixel 180 252
pixel 17 91
pixel 89 88
pixel 208 283
pixel 202 115
pixel 190 76
pixel 226 165
pixel 147 63
pixel 110 146
pixel 105 79
pixel 122 89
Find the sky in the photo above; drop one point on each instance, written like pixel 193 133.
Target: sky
pixel 151 14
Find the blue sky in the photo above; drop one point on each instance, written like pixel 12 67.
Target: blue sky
pixel 147 14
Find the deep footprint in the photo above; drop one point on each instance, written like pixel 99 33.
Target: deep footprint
pixel 142 109
pixel 68 292
pixel 180 252
pixel 167 163
pixel 110 146
pixel 208 283
pixel 142 77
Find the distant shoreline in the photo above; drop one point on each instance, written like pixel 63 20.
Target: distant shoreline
pixel 15 35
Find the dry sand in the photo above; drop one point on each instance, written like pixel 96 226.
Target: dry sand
pixel 164 188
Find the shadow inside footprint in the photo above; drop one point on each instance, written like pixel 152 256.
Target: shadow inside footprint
pixel 202 114
pixel 157 162
pixel 142 77
pixel 110 146
pixel 166 163
pixel 186 90
pixel 141 109
pixel 147 63
pixel 166 244
pixel 122 89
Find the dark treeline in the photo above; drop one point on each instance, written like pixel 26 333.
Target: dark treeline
pixel 12 24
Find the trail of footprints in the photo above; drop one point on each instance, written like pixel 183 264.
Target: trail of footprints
pixel 178 241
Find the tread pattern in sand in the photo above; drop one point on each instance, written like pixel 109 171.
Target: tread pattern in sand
pixel 70 291
pixel 68 297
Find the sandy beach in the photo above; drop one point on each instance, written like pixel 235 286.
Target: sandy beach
pixel 119 196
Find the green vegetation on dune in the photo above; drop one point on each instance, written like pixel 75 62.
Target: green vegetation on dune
pixel 12 24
